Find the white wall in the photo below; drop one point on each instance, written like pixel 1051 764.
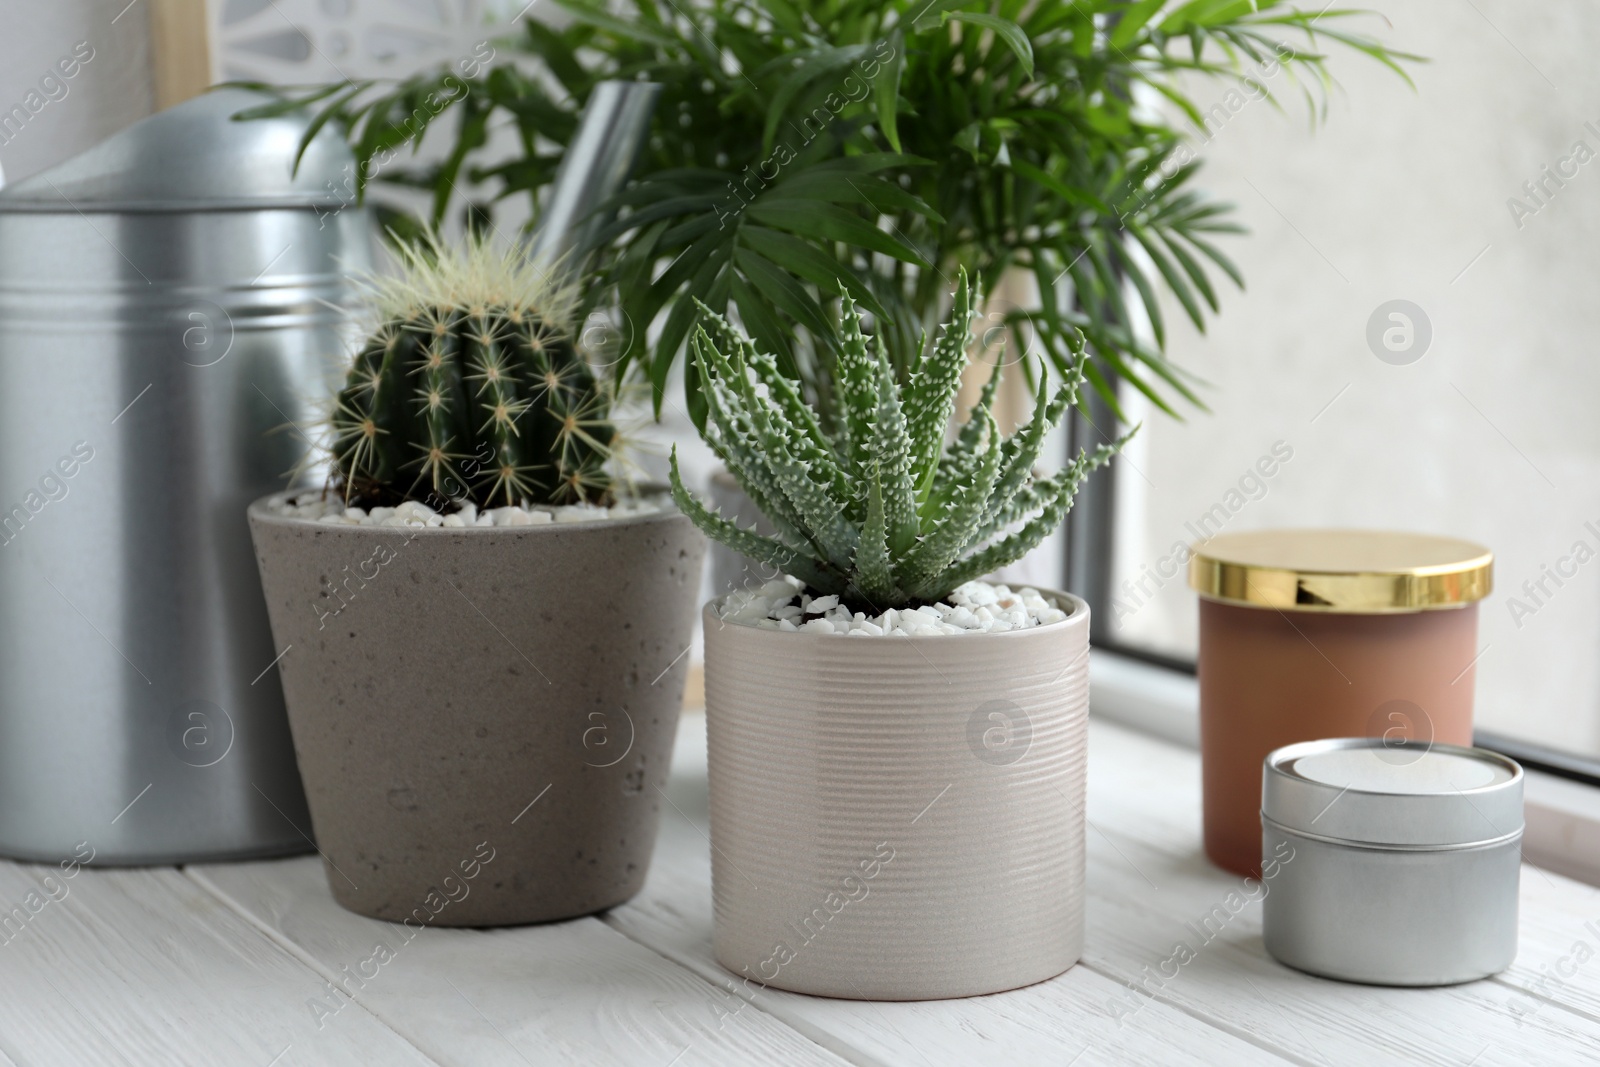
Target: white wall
pixel 1492 434
pixel 67 115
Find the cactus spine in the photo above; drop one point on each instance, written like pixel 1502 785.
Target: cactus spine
pixel 471 388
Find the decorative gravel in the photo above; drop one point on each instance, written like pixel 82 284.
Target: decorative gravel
pixel 973 608
pixel 317 508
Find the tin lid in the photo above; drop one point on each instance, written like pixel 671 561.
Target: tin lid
pixel 197 157
pixel 1368 790
pixel 1341 571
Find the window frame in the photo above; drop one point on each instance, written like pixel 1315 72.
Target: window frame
pixel 1090 546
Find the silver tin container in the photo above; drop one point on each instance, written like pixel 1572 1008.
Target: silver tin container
pixel 1392 864
pixel 169 311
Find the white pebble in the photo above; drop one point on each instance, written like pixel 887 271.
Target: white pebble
pixel 975 607
pixel 313 507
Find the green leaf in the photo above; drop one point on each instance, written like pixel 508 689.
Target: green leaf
pixel 886 93
pixel 590 15
pixel 857 375
pixel 958 525
pixel 748 543
pixel 1004 29
pixel 830 223
pixel 891 449
pixel 874 577
pixel 1056 499
pixel 780 288
pixel 932 397
pixel 813 64
pixel 807 261
pixel 1132 19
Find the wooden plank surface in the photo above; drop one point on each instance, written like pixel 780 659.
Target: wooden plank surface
pixel 236 963
pixel 1066 1020
pixel 145 967
pixel 1149 880
pixel 572 992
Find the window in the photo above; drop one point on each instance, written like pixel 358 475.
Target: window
pixel 1415 351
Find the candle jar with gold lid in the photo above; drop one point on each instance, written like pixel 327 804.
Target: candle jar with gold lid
pixel 1310 634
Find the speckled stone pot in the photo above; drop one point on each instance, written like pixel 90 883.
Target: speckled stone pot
pixel 482 716
pixel 898 818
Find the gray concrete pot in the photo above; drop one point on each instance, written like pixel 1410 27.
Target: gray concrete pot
pixel 898 818
pixel 482 716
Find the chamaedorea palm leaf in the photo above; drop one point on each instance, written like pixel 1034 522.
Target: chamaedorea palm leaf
pixel 879 511
pixel 803 149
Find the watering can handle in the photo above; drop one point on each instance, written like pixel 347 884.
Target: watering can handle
pixel 599 157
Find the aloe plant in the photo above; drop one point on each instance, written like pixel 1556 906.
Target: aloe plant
pixel 880 511
pixel 471 387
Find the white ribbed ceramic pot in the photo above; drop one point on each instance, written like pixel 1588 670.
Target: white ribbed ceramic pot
pixel 898 818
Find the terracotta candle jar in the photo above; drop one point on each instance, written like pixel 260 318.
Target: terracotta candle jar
pixel 1309 634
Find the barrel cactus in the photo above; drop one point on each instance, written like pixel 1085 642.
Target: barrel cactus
pixel 881 512
pixel 471 388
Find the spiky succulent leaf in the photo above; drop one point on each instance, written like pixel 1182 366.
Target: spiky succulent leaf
pixel 956 527
pixel 735 443
pixel 471 389
pixel 1055 498
pixel 857 379
pixel 766 550
pixel 956 466
pixel 813 443
pixel 1022 449
pixel 788 464
pixel 893 452
pixel 874 577
pixel 854 515
pixel 931 400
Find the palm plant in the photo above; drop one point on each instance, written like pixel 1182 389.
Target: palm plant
pixel 804 150
pixel 880 512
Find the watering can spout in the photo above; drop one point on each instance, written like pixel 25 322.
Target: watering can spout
pixel 600 156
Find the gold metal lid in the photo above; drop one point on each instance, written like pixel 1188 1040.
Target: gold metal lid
pixel 1342 571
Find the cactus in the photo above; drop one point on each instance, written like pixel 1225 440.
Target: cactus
pixel 873 512
pixel 471 388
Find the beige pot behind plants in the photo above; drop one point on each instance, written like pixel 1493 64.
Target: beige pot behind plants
pixel 898 818
pixel 482 717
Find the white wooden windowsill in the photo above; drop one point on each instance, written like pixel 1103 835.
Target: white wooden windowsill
pixel 226 964
pixel 1563 816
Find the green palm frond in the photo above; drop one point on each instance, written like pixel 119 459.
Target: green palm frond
pixel 805 151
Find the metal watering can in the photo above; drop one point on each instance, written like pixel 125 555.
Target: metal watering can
pixel 168 300
pixel 171 310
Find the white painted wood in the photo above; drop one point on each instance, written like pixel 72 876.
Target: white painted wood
pixel 144 967
pixel 1148 879
pixel 1563 826
pixel 1150 699
pixel 1049 1023
pixel 572 992
pixel 225 964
